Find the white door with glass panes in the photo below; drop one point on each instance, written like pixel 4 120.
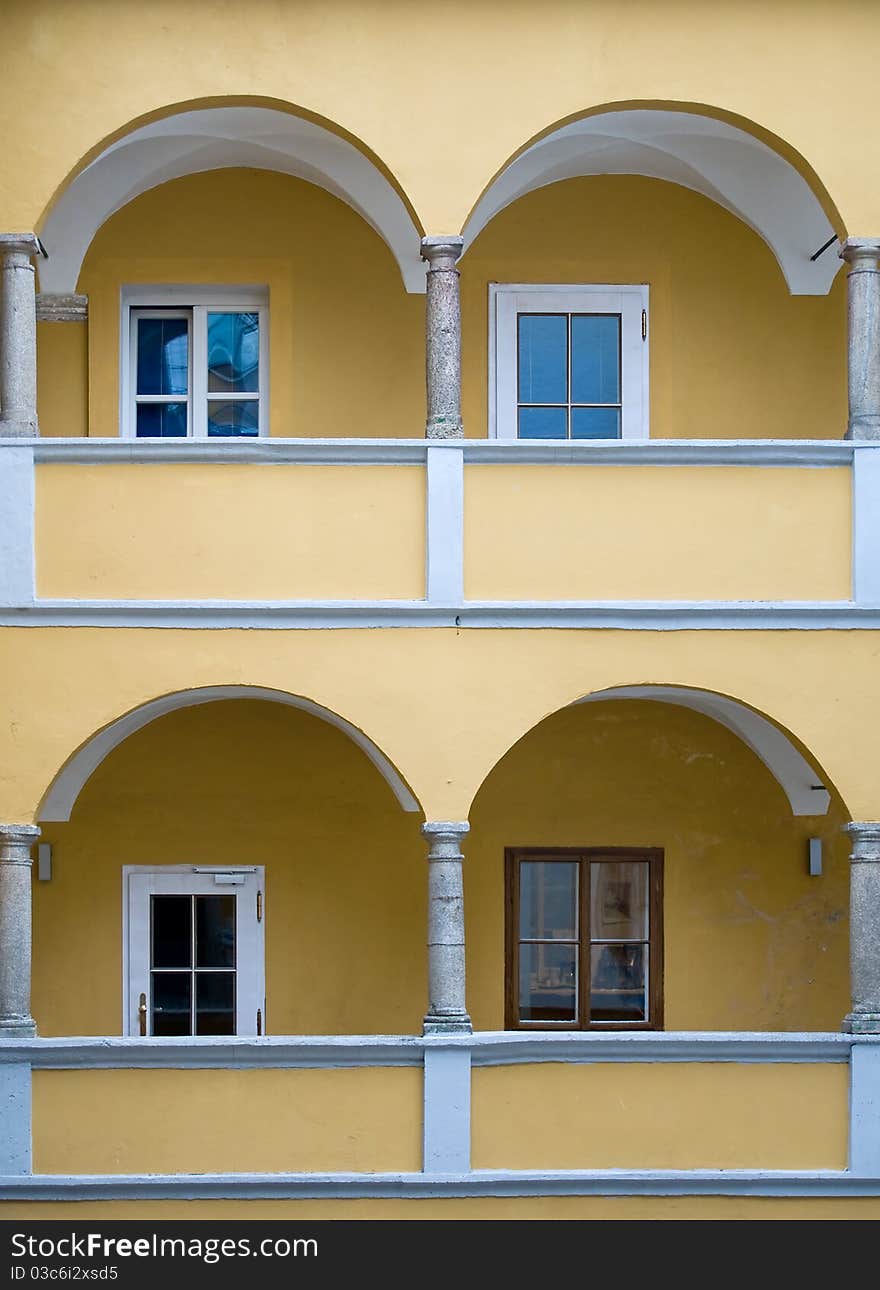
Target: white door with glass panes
pixel 569 362
pixel 194 951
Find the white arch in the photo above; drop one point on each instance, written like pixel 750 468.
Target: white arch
pixel 793 773
pixel 720 161
pixel 212 139
pixel 70 780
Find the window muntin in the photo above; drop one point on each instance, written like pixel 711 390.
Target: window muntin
pixel 584 939
pixel 194 369
pixel 568 361
pixel 194 952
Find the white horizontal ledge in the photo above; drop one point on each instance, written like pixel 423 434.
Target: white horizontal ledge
pixel 634 615
pixel 383 1186
pixel 349 451
pixel 487 1048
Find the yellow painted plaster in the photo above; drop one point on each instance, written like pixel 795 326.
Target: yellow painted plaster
pixel 244 782
pixel 444 704
pixel 210 1121
pixel 732 354
pixel 507 83
pixel 649 533
pixel 346 350
pixel 62 378
pixel 661 1116
pixel 245 532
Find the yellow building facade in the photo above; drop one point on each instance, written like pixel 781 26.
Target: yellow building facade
pixel 439 611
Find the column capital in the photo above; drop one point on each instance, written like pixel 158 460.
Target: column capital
pixel 865 835
pixel 441 253
pixel 861 253
pixel 16 841
pixel 20 244
pixel 444 837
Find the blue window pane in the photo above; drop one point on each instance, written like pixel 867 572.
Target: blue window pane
pixel 542 423
pixel 542 346
pixel 240 417
pixel 161 421
pixel 162 355
pixel 233 353
pixel 595 358
pixel 595 423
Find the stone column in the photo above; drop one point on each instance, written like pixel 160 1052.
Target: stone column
pixel 18 336
pixel 447 1013
pixel 864 929
pixel 863 288
pixel 16 841
pixel 443 338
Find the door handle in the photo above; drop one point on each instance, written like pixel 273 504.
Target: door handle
pixel 142 1014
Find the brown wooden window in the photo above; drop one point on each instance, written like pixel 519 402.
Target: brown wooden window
pixel 584 938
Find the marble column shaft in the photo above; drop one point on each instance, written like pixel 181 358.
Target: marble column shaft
pixel 864 929
pixel 447 1011
pixel 18 336
pixel 443 337
pixel 863 353
pixel 16 841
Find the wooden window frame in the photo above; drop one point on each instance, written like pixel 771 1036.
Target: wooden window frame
pixel 584 855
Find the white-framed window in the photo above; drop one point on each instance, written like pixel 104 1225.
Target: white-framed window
pixel 568 361
pixel 193 945
pixel 194 362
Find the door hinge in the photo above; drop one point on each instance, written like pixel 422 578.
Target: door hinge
pixel 644 324
pixel 259 907
pixel 259 1021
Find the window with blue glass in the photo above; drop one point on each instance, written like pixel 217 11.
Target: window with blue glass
pixel 197 371
pixel 570 362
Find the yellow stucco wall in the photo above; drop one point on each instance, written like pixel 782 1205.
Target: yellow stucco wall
pixel 732 354
pixel 751 941
pixel 244 782
pixel 635 1116
pixel 62 378
pixel 207 1121
pixel 508 1207
pixel 242 532
pixel 646 533
pixel 505 84
pixel 346 352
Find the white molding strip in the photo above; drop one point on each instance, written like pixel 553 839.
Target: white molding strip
pixel 17 552
pixel 486 1048
pixel 633 615
pixel 350 451
pixel 384 1186
pixel 444 546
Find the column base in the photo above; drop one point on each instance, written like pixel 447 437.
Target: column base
pixel 861 428
pixel 18 1028
pixel 447 430
pixel 458 1023
pixel 19 429
pixel 861 1023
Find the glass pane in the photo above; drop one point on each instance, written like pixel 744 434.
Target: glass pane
pixel 161 421
pixel 215 931
pixel 162 356
pixel 619 900
pixel 172 1000
pixel 619 984
pixel 215 1003
pixel 172 931
pixel 548 982
pixel 548 893
pixel 238 418
pixel 595 358
pixel 542 353
pixel 233 353
pixel 542 423
pixel 595 423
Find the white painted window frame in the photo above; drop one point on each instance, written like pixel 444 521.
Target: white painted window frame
pixel 194 303
pixel 509 299
pixel 139 882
